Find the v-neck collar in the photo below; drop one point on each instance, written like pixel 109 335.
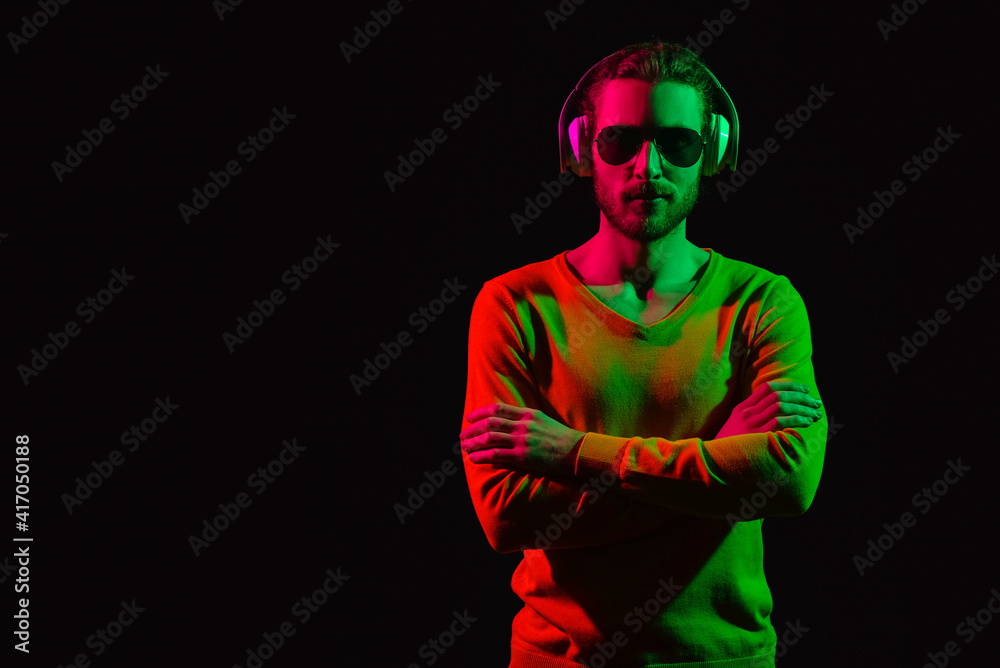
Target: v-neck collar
pixel 605 312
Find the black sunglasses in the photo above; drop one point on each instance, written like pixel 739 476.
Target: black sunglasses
pixel 617 144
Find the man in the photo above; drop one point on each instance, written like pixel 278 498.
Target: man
pixel 637 405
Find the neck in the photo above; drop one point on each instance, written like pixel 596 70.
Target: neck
pixel 608 258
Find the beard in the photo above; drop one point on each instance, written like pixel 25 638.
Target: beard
pixel 642 223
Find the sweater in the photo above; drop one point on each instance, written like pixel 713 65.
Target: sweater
pixel 651 553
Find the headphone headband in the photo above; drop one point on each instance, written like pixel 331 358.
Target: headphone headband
pixel 720 146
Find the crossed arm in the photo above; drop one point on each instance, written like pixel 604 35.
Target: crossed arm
pixel 528 439
pixel 526 469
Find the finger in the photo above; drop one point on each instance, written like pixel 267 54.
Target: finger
pixel 787 403
pixel 498 409
pixel 486 424
pixel 485 411
pixel 488 440
pixel 483 457
pixel 784 408
pixel 482 429
pixel 774 391
pixel 794 397
pixel 785 422
pixel 765 389
pixel 786 385
pixel 494 456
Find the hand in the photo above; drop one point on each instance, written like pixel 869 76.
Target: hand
pixel 773 406
pixel 519 437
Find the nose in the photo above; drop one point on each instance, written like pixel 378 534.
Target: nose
pixel 648 165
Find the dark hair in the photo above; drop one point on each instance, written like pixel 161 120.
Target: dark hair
pixel 654 62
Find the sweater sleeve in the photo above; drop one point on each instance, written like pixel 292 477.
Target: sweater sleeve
pixel 774 473
pixel 521 510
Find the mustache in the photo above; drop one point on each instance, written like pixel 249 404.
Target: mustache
pixel 648 190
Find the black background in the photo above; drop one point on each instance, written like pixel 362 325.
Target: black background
pixel 323 176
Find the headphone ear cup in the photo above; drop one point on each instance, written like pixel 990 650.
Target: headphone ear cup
pixel 712 158
pixel 727 146
pixel 582 161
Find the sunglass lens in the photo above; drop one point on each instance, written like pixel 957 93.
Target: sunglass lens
pixel 680 146
pixel 617 144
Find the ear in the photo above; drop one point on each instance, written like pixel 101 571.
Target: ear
pixel 583 158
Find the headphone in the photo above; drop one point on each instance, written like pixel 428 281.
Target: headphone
pixel 720 145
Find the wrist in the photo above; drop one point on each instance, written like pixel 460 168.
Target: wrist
pixel 569 462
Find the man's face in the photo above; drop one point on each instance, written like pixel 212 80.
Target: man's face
pixel 620 189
